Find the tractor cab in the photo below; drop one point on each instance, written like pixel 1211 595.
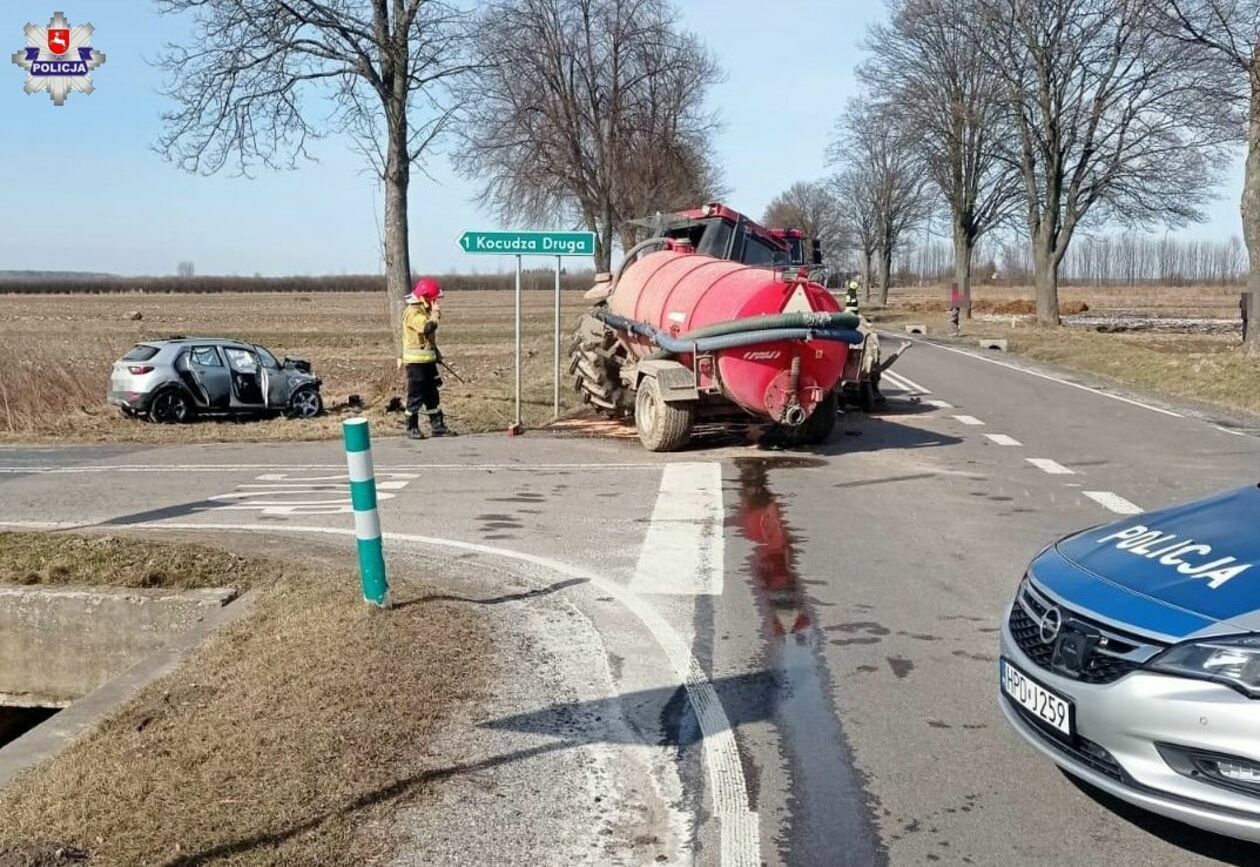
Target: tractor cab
pixel 802 251
pixel 718 231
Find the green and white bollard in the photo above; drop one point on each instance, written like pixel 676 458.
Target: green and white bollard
pixel 367 522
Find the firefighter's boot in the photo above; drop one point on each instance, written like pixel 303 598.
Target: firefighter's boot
pixel 437 423
pixel 413 427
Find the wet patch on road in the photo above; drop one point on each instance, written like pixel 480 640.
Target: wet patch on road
pixel 900 666
pixel 829 807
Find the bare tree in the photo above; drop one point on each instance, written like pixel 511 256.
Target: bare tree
pixel 928 67
pixel 872 142
pixel 1225 35
pixel 247 88
pixel 854 190
pixel 590 111
pixel 1108 121
pixel 185 269
pixel 812 207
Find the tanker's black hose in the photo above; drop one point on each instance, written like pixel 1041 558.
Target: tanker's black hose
pixel 687 344
pixel 778 320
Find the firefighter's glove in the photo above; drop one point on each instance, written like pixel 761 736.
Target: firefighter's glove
pixel 430 328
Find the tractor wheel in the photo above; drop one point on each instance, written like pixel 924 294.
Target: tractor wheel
pixel 817 428
pixel 663 427
pixel 595 363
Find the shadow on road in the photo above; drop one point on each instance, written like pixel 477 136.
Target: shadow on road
pixel 746 698
pixel 496 600
pixel 1208 845
pixel 179 510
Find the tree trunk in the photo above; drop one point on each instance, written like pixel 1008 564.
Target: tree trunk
pixel 397 249
pixel 603 247
pixel 1251 212
pixel 1046 280
pixel 629 237
pixel 866 275
pixel 963 249
pixel 885 275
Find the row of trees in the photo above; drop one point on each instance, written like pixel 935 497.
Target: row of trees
pixel 585 112
pixel 1111 259
pixel 1047 119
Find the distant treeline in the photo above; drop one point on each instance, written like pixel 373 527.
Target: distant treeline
pixel 1099 260
pixel 539 279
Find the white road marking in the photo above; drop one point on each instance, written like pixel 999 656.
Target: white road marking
pixel 1004 440
pixel 682 550
pixel 236 468
pixel 741 836
pixel 1054 468
pixel 968 419
pixel 938 404
pixel 905 383
pixel 1114 502
pixel 1230 431
pixel 283 494
pixel 1060 381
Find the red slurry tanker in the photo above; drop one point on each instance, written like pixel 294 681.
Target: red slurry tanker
pixel 710 320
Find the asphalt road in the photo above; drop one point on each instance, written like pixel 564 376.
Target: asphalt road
pixel 791 656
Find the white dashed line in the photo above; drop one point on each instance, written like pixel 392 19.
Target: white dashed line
pixel 1054 468
pixel 1004 440
pixel 1114 502
pixel 905 382
pixel 938 404
pixel 968 419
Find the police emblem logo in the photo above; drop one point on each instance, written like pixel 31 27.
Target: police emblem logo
pixel 58 59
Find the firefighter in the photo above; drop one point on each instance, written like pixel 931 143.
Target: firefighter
pixel 851 297
pixel 420 358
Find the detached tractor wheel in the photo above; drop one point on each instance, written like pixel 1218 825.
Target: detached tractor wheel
pixel 595 363
pixel 663 427
pixel 817 428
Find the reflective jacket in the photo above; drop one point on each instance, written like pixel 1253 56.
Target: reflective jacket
pixel 417 347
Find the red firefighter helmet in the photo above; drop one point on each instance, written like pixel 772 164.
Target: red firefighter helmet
pixel 427 289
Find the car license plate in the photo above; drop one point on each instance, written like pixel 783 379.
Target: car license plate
pixel 1043 704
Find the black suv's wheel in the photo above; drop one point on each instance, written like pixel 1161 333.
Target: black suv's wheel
pixel 663 427
pixel 170 406
pixel 306 402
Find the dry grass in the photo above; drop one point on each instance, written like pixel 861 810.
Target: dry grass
pixel 276 744
pixel 1210 302
pixel 1200 367
pixel 56 353
pixel 41 558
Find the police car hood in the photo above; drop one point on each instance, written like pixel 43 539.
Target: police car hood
pixel 1177 571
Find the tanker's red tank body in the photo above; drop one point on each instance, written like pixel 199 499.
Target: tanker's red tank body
pixel 679 291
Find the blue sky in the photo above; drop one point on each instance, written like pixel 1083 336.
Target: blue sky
pixel 84 190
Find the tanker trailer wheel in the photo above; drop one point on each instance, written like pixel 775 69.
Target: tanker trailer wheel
pixel 817 428
pixel 663 427
pixel 595 365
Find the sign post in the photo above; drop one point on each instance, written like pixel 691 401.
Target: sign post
pixel 555 370
pixel 516 427
pixel 518 244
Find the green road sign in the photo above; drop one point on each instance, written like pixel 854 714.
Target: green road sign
pixel 529 243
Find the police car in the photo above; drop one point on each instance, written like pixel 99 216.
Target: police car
pixel 1130 657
